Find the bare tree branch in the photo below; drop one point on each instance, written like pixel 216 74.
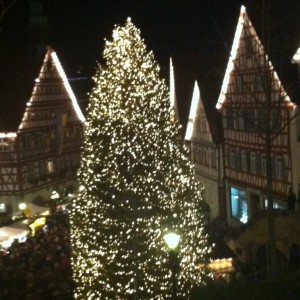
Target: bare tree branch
pixel 5 7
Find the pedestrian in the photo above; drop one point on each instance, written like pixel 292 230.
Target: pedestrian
pixel 294 257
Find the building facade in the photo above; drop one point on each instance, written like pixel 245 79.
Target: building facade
pixel 258 143
pixel 42 156
pixel 206 153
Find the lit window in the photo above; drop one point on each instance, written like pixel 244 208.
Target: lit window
pixel 239 206
pixel 50 167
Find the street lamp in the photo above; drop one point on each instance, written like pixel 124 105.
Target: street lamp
pixel 22 206
pixel 172 239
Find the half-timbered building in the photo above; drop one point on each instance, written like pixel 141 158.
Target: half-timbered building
pixel 255 108
pixel 205 141
pixel 42 155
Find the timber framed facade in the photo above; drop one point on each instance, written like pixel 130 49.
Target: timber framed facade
pixel 255 109
pixel 43 155
pixel 206 154
pixel 255 112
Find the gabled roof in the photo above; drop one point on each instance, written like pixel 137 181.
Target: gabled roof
pixel 196 67
pixel 51 96
pixel 245 30
pixel 212 117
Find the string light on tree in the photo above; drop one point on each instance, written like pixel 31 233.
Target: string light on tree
pixel 136 181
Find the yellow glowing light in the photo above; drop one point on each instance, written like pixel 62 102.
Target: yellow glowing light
pixel 22 206
pixel 8 135
pixel 224 264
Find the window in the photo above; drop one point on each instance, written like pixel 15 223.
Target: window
pixel 261 120
pixel 239 206
pixel 50 167
pixel 278 168
pixel 38 140
pixel 257 83
pixel 205 154
pixel 26 141
pixel 229 119
pixel 232 158
pixel 263 165
pixel 241 123
pixel 276 120
pixel 276 204
pixel 200 155
pixel 31 171
pixel 253 162
pixel 239 83
pixel 4 146
pixel 244 160
pixel 213 158
pixel 258 163
pixel 42 168
pixel 204 126
pixel 194 153
pixel 248 47
pixel 238 159
pixel 249 120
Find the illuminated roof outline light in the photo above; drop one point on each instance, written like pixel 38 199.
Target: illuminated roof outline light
pixel 173 101
pixel 233 55
pixel 193 113
pixel 296 57
pixel 67 86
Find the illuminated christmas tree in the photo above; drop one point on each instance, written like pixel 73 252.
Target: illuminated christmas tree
pixel 137 183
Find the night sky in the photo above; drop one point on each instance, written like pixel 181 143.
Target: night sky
pixel 198 32
pixel 78 28
pixel 167 27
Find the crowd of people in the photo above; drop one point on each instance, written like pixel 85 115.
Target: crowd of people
pixel 40 267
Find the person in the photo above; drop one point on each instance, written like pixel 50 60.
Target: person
pixel 291 200
pixel 294 257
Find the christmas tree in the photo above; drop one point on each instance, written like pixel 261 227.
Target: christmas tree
pixel 136 183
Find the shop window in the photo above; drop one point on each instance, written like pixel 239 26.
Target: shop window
pixel 239 206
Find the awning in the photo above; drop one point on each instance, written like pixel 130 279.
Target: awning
pixel 16 231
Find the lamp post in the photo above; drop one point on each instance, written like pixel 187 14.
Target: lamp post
pixel 22 208
pixel 172 239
